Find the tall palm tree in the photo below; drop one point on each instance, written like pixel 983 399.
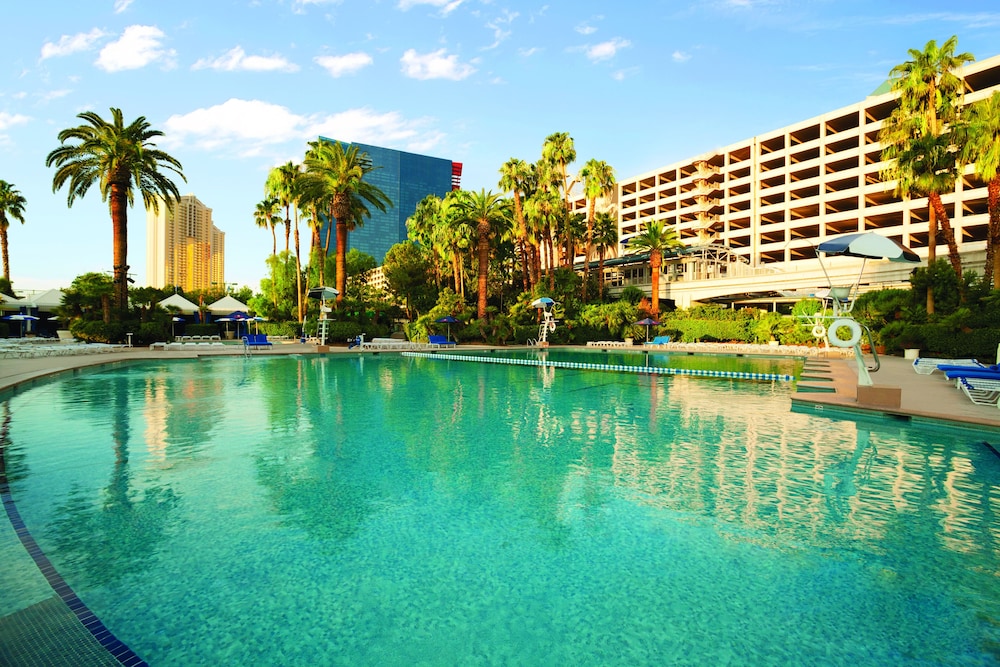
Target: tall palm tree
pixel 11 204
pixel 119 158
pixel 284 183
pixel 558 151
pixel 656 239
pixel 265 215
pixel 487 211
pixel 605 236
pixel 929 98
pixel 341 172
pixel 598 181
pixel 516 177
pixel 980 133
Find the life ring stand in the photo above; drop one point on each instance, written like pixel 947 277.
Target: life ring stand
pixel 851 325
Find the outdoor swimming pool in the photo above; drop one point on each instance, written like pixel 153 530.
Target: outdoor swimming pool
pixel 397 511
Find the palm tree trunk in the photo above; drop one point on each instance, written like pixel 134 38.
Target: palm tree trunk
pixel 341 260
pixel 591 204
pixel 949 236
pixel 298 268
pixel 931 254
pixel 274 241
pixel 119 224
pixel 483 229
pixel 600 274
pixel 288 229
pixel 993 234
pixel 655 261
pixel 3 248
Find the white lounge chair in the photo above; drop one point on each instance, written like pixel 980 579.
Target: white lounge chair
pixel 981 391
pixel 927 365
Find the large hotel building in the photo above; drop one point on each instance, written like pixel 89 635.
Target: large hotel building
pixel 183 248
pixel 751 213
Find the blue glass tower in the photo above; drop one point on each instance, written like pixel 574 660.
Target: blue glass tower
pixel 406 178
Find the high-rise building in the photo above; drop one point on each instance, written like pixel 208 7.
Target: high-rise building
pixel 752 213
pixel 406 178
pixel 183 248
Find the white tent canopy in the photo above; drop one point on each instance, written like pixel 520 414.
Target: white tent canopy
pixel 226 305
pixel 47 300
pixel 185 305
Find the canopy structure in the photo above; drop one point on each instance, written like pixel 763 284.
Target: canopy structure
pixel 868 245
pixel 323 293
pixel 47 300
pixel 182 304
pixel 226 305
pixel 10 303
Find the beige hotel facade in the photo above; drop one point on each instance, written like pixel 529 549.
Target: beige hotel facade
pixel 751 213
pixel 184 248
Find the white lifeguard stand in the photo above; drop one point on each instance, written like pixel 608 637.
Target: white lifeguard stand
pixel 838 301
pixel 548 323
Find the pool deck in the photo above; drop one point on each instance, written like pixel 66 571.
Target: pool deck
pixel 826 382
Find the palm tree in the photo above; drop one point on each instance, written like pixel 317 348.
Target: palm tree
pixel 598 181
pixel 927 167
pixel 284 184
pixel 340 171
pixel 558 151
pixel 516 177
pixel 606 236
pixel 929 98
pixel 655 239
pixel 11 204
pixel 980 132
pixel 487 211
pixel 119 158
pixel 266 217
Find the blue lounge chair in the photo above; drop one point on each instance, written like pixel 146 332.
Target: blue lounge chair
pixel 439 341
pixel 254 341
pixel 981 391
pixel 927 365
pixel 658 340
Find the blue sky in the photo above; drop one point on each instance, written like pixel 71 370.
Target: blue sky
pixel 239 86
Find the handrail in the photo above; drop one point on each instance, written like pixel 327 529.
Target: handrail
pixel 871 344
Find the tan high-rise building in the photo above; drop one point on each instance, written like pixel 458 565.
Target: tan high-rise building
pixel 183 248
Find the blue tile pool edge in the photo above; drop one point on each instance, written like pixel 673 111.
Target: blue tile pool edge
pixel 118 650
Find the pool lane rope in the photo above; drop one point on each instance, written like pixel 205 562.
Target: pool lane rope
pixel 640 370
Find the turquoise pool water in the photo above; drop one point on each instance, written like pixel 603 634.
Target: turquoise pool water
pixel 390 511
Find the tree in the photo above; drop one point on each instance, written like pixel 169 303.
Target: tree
pixel 929 98
pixel 340 172
pixel 407 274
pixel 980 133
pixel 283 183
pixel 266 216
pixel 119 158
pixel 558 151
pixel 656 239
pixel 517 178
pixel 11 204
pixel 598 181
pixel 605 236
pixel 486 211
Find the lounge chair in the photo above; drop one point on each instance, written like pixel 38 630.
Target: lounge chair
pixel 439 341
pixel 658 340
pixel 927 365
pixel 254 341
pixel 981 391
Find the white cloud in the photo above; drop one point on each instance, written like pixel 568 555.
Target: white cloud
pixel 606 50
pixel 349 63
pixel 122 5
pixel 54 95
pixel 527 53
pixel 501 27
pixel 447 6
pixel 68 44
pixel 138 46
pixel 236 59
pixel 680 57
pixel 585 29
pixel 246 127
pixel 434 65
pixel 10 120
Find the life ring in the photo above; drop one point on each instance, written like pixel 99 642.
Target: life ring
pixel 819 331
pixel 851 325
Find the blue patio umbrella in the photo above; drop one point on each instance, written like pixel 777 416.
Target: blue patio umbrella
pixel 648 322
pixel 20 318
pixel 174 320
pixel 239 316
pixel 449 320
pixel 868 245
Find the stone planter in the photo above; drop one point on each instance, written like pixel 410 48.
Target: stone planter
pixel 911 353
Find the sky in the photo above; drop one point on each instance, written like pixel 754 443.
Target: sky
pixel 240 86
